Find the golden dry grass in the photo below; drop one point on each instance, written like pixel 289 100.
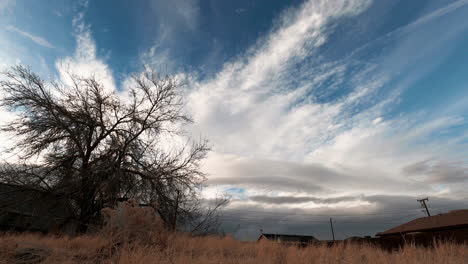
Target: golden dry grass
pixel 181 248
pixel 136 235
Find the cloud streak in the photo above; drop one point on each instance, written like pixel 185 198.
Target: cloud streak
pixel 36 39
pixel 294 128
pixel 257 91
pixel 354 220
pixel 85 61
pixel 5 5
pixel 300 133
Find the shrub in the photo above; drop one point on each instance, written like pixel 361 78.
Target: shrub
pixel 130 223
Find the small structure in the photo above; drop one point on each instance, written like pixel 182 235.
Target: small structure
pixel 449 226
pixel 28 209
pixel 289 239
pixel 355 239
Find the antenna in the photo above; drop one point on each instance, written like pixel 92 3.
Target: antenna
pixel 423 204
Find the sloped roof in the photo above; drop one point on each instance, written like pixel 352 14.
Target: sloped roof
pixel 31 209
pixel 453 219
pixel 289 238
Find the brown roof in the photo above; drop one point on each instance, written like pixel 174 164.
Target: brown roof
pixel 30 209
pixel 288 238
pixel 453 219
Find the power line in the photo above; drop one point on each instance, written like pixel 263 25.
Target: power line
pixel 289 217
pixel 342 233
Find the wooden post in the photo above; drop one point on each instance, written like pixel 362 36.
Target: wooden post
pixel 423 203
pixel 333 233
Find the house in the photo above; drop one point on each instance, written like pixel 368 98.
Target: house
pixel 29 209
pixel 289 239
pixel 449 226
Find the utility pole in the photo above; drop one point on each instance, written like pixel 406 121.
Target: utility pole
pixel 333 233
pixel 423 204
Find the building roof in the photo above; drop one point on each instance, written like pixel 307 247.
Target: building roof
pixel 288 238
pixel 451 220
pixel 31 209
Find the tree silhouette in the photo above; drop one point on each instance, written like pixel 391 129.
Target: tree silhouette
pixel 95 146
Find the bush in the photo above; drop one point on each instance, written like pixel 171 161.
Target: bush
pixel 131 224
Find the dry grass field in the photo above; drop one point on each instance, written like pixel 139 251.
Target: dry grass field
pixel 180 248
pixel 135 235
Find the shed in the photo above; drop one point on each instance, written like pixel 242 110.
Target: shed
pixel 457 219
pixel 29 209
pixel 452 226
pixel 289 239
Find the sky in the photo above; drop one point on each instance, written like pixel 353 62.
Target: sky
pixel 315 109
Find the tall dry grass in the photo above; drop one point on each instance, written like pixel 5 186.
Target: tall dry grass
pixel 181 248
pixel 135 236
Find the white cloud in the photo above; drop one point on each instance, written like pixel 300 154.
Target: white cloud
pixel 6 141
pixel 5 5
pixel 437 13
pixel 273 135
pixel 276 136
pixel 37 39
pixel 377 121
pixel 188 11
pixel 250 105
pixel 57 13
pixel 85 61
pixel 427 18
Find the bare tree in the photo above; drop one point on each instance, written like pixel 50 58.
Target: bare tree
pixel 207 221
pixel 95 146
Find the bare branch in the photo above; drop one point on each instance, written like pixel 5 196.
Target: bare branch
pixel 96 147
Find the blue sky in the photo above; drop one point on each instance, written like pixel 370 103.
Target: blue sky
pixel 314 108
